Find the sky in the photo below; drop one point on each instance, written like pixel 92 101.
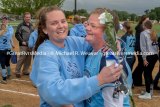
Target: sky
pixel 131 6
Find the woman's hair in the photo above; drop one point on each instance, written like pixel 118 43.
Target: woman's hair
pixel 37 17
pixel 42 24
pixel 128 28
pixel 110 28
pixel 115 16
pixel 148 25
pixel 142 19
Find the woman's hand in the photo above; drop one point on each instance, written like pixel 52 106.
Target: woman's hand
pixel 109 74
pixel 145 62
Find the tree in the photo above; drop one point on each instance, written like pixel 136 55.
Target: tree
pixel 18 7
pixel 123 15
pixel 68 13
pixel 146 11
pixel 82 12
pixel 154 14
pixel 133 17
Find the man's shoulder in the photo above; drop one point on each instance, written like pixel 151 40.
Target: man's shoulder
pixel 20 25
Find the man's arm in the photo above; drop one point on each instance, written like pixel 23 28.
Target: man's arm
pixel 18 34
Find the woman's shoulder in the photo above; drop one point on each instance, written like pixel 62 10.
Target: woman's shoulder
pixel 75 40
pixel 46 46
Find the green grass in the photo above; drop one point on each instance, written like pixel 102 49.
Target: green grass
pixel 8 105
pixel 156 27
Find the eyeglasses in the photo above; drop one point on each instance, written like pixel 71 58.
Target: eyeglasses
pixel 94 26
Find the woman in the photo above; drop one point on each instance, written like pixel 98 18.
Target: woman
pixel 137 73
pixel 58 71
pixel 129 40
pixel 96 60
pixel 149 55
pixel 6 44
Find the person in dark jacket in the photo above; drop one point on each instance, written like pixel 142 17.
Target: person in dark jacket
pixel 137 73
pixel 156 79
pixel 22 34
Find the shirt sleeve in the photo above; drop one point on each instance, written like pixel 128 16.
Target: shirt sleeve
pixel 72 32
pixel 11 31
pixel 18 34
pixel 31 40
pixel 58 91
pixel 143 45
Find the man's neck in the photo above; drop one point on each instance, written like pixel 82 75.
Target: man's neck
pixel 27 23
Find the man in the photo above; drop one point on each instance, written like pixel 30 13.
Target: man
pixel 22 34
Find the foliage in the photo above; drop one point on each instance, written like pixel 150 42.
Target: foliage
pixel 123 15
pixel 81 12
pixel 18 7
pixel 154 14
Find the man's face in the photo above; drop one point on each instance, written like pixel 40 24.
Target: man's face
pixel 27 18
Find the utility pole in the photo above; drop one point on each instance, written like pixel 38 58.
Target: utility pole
pixel 75 7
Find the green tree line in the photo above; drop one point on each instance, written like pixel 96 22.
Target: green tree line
pixel 18 7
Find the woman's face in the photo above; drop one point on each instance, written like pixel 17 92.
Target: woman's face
pixel 95 30
pixel 56 26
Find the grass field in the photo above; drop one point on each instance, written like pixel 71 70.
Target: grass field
pixel 21 93
pixel 156 27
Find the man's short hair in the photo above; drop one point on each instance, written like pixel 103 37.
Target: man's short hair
pixel 26 13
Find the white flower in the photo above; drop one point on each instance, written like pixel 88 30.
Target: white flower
pixel 105 17
pixel 102 18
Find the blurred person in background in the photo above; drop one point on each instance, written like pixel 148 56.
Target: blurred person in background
pixel 6 43
pixel 149 55
pixel 78 29
pixel 22 34
pixel 129 39
pixel 156 79
pixel 137 73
